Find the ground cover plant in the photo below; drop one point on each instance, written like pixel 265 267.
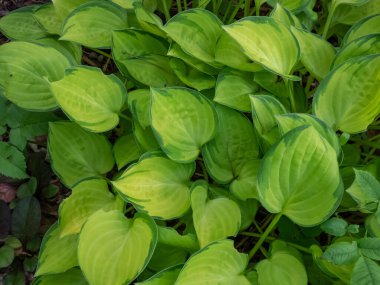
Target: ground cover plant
pixel 202 144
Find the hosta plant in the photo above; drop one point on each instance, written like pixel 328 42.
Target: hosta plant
pixel 212 146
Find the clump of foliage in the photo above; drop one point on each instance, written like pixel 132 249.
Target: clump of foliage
pixel 232 134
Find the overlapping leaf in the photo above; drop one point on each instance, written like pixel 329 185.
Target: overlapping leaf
pixel 348 99
pixel 77 154
pixel 191 117
pixel 300 169
pixel 25 72
pixel 113 249
pixel 83 26
pixel 88 197
pixel 219 261
pixel 159 191
pixel 267 42
pixel 214 219
pixel 90 98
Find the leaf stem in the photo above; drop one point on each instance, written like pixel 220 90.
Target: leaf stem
pixel 229 6
pixel 246 7
pixel 125 117
pixel 204 170
pixel 179 6
pixel 367 143
pixel 269 239
pixel 290 87
pixel 268 230
pixel 309 81
pixel 234 12
pixel 185 5
pixel 166 10
pixel 328 21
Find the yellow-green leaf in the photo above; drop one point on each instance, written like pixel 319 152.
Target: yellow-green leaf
pixel 83 25
pixel 57 254
pixel 214 219
pixel 268 42
pixel 348 99
pixel 366 26
pixel 162 191
pixel 317 54
pixel 281 268
pixel 219 262
pixel 113 250
pixel 25 72
pixel 233 145
pixel 91 98
pixel 191 117
pixel 299 177
pixel 196 31
pixel 87 197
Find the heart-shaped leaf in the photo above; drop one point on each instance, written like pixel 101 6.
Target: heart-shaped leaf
pixel 298 171
pixel 196 31
pixel 25 72
pixel 77 154
pixel 57 254
pixel 87 197
pixel 346 99
pixel 214 219
pixel 90 98
pixel 161 192
pixel 268 42
pixel 281 268
pixel 233 89
pixel 83 26
pixel 219 261
pixel 192 121
pixel 113 249
pixel 233 145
